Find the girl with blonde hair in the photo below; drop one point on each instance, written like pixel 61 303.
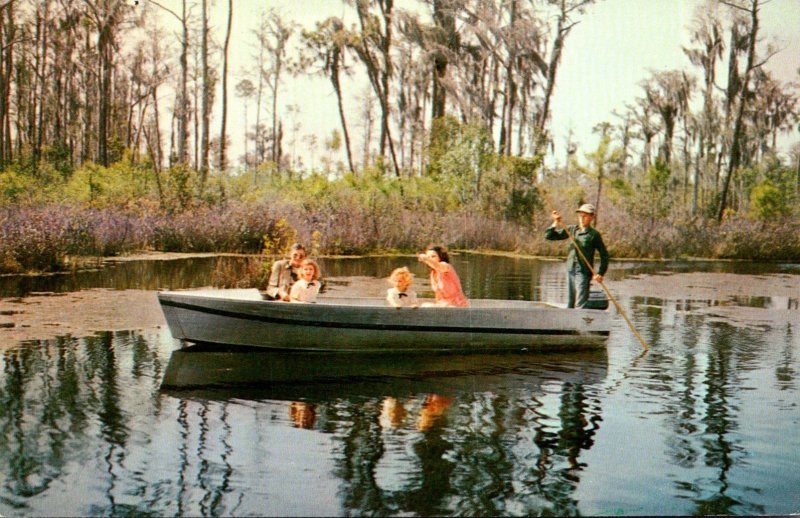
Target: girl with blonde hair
pixel 307 287
pixel 400 295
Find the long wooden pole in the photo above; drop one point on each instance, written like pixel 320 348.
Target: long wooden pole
pixel 610 296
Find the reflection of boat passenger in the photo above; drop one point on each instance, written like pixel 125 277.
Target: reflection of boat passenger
pixel 392 413
pixel 303 414
pixel 432 409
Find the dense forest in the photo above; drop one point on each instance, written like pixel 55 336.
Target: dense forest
pixel 114 134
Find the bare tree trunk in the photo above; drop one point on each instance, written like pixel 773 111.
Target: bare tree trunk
pixel 181 114
pixel 223 137
pixel 135 138
pixel 368 122
pixel 511 89
pixel 183 88
pixel 380 74
pixel 445 22
pixel 258 152
pixel 87 121
pixel 492 95
pixel 338 89
pixel 154 142
pixel 156 169
pixel 206 102
pixel 700 159
pixel 523 115
pixel 42 86
pixel 104 50
pixel 562 31
pixel 385 73
pixel 133 94
pixel 156 151
pixel 8 31
pixel 686 162
pixel 736 143
pixel 34 98
pixel 797 177
pixel 196 113
pixel 274 155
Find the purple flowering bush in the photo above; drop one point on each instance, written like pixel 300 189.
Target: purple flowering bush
pixel 356 217
pixel 40 238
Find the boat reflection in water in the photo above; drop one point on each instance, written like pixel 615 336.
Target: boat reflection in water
pixel 212 369
pixel 426 433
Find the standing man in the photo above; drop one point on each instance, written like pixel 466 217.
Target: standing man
pixel 284 273
pixel 589 240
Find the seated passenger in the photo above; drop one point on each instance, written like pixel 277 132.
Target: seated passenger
pixel 445 283
pixel 400 295
pixel 284 274
pixel 307 287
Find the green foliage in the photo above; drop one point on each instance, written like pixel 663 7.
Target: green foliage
pixel 657 178
pixel 461 157
pixel 744 239
pixel 14 186
pixel 334 142
pixel 459 154
pixel 21 183
pixel 118 185
pixel 774 190
pixel 512 185
pixel 279 238
pixel 657 188
pixel 620 189
pixel 767 201
pixel 180 186
pixel 470 197
pixel 59 156
pixel 601 160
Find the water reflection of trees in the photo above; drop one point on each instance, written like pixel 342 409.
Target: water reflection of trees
pixel 73 410
pixel 785 373
pixel 699 386
pixel 49 398
pixel 62 405
pixel 507 452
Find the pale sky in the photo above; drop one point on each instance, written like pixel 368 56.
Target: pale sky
pixel 606 57
pixel 639 36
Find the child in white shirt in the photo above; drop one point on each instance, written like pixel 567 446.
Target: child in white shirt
pixel 401 295
pixel 307 287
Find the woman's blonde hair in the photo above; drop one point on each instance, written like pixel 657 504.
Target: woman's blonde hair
pixel 402 272
pixel 312 263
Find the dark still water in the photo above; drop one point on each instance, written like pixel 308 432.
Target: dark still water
pixel 705 422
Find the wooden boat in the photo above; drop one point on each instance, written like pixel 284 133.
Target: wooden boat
pixel 243 318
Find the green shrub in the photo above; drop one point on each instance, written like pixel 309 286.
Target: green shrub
pixel 768 201
pixel 119 185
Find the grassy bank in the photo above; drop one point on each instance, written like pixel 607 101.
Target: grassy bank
pixel 41 238
pixel 48 218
